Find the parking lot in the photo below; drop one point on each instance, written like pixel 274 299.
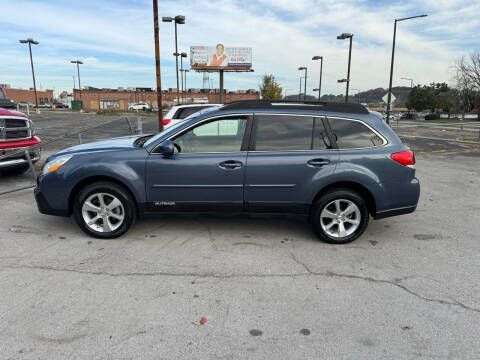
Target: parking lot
pixel 266 288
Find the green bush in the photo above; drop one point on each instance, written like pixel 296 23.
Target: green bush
pixel 431 117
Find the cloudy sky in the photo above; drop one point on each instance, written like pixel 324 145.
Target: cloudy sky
pixel 114 38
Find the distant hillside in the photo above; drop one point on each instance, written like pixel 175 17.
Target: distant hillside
pixel 373 96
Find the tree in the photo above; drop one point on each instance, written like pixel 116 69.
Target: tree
pixel 431 97
pixel 270 89
pixel 63 95
pixel 468 80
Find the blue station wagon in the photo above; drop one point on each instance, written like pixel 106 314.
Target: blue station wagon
pixel 337 164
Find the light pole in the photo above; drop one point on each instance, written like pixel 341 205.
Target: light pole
pixel 320 81
pixel 157 66
pixel 389 99
pixel 304 83
pixel 78 62
pixel 186 71
pixel 179 19
pixel 30 41
pixel 411 81
pixel 182 55
pixel 343 37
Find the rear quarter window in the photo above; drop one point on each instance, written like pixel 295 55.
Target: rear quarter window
pixel 351 134
pixel 185 112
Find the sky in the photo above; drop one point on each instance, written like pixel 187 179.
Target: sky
pixel 114 39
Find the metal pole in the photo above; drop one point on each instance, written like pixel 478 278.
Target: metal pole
pixel 33 75
pixel 305 86
pixel 185 72
pixel 79 83
pixel 389 99
pixel 157 66
pixel 221 86
pixel 176 61
pixel 348 71
pixel 181 74
pixel 320 83
pixel 300 89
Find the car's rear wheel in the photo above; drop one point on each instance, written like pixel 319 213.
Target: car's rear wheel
pixel 340 216
pixel 104 210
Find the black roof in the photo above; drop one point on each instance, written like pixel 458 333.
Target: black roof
pixel 298 105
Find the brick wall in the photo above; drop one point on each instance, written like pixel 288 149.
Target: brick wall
pixel 92 99
pixel 19 95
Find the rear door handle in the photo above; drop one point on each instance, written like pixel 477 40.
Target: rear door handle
pixel 318 162
pixel 230 164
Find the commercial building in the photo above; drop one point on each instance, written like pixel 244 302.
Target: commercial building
pixel 120 99
pixel 24 95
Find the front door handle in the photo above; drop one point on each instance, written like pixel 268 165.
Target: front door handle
pixel 230 164
pixel 318 162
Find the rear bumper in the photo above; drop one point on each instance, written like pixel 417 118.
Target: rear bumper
pixel 394 212
pixel 402 198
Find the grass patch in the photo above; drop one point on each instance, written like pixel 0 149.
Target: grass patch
pixel 469 139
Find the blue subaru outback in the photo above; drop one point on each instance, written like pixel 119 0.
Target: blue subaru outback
pixel 335 163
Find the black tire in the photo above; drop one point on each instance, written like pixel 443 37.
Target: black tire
pixel 328 198
pixel 109 188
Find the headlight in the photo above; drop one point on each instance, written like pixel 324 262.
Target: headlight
pixel 54 164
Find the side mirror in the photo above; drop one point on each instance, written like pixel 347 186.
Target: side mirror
pixel 166 148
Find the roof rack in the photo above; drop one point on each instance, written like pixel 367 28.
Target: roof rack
pixel 299 105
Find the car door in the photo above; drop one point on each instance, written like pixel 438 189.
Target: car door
pixel 207 172
pixel 289 157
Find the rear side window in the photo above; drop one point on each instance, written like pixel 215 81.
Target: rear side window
pixel 185 112
pixel 289 132
pixel 353 134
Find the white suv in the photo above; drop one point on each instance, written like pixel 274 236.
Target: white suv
pixel 178 113
pixel 139 106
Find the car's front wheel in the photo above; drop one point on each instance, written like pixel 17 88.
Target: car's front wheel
pixel 104 210
pixel 340 216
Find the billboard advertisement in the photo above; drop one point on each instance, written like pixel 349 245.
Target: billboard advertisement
pixel 220 57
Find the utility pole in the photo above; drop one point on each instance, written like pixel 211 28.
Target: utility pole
pixel 78 62
pixel 30 41
pixel 157 66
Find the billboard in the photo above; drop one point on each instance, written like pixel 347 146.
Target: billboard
pixel 220 57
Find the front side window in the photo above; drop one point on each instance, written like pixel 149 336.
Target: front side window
pixel 289 132
pixel 353 134
pixel 223 135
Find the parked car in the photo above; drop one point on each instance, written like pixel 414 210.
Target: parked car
pixel 5 102
pixel 334 163
pixel 139 106
pixel 178 113
pixel 60 105
pixel 16 134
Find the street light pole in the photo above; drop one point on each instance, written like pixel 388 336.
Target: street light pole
pixel 343 37
pixel 78 62
pixel 179 19
pixel 157 66
pixel 185 72
pixel 304 83
pixel 389 99
pixel 182 55
pixel 30 41
pixel 320 81
pixel 411 81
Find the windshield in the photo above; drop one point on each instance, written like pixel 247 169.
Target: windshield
pixel 179 124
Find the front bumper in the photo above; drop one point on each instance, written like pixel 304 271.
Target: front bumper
pixel 44 207
pixel 12 153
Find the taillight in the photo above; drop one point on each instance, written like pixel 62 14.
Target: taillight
pixel 166 121
pixel 406 158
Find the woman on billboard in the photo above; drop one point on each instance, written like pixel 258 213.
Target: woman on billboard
pixel 219 58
